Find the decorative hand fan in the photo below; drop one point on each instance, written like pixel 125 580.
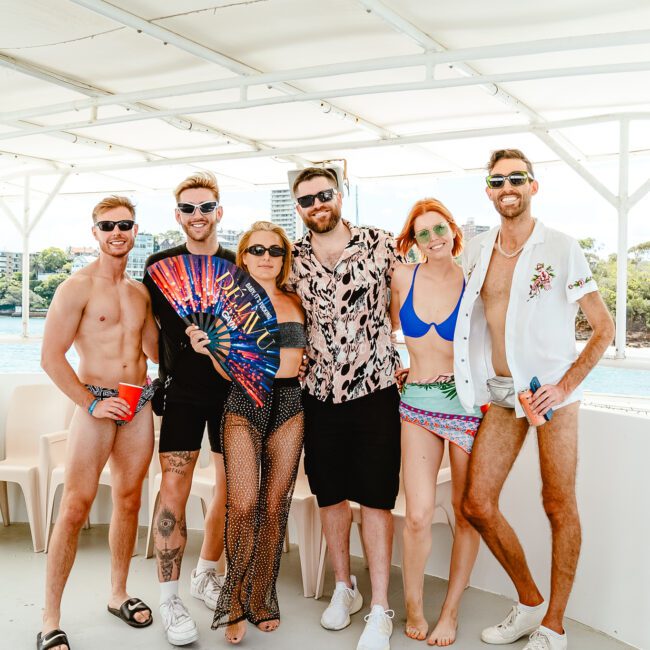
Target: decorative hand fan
pixel 233 310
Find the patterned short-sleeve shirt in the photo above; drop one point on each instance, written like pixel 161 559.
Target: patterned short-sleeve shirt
pixel 348 322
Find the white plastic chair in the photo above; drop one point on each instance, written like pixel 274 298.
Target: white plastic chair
pixel 34 409
pixel 304 512
pixel 443 514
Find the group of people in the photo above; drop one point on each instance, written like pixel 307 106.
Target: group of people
pixel 474 340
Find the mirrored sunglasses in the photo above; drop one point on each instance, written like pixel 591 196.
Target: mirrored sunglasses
pixel 274 251
pixel 309 199
pixel 109 226
pixel 496 181
pixel 424 236
pixel 206 207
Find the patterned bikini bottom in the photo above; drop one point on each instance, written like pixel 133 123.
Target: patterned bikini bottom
pixel 436 408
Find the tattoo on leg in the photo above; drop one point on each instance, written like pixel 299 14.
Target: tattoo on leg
pixel 166 522
pixel 166 558
pixel 177 461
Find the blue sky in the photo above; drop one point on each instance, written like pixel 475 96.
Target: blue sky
pixel 564 201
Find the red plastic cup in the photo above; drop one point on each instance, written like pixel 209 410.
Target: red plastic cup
pixel 131 394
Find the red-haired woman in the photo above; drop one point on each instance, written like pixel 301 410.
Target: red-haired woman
pixel 425 299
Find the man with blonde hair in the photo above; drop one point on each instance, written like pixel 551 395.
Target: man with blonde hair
pixel 107 315
pixel 192 395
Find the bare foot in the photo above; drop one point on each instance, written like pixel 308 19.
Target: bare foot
pixel 236 632
pixel 444 633
pixel 416 628
pixel 269 626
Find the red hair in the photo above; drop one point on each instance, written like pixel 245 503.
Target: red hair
pixel 406 239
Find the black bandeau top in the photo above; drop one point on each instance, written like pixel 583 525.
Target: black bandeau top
pixel 292 335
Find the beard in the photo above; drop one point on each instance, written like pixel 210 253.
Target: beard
pixel 326 224
pixel 206 234
pixel 513 211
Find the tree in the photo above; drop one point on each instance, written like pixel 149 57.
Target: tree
pixel 48 286
pixel 51 260
pixel 641 251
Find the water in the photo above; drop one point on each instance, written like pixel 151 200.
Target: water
pixel 25 357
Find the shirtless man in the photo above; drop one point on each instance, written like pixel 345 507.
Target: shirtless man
pixel 107 315
pixel 517 320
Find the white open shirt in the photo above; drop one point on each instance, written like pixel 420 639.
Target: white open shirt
pixel 550 276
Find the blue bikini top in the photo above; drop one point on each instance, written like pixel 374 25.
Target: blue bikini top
pixel 414 327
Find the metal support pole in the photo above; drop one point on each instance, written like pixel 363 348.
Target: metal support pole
pixel 25 267
pixel 621 257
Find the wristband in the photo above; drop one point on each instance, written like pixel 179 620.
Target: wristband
pixel 92 406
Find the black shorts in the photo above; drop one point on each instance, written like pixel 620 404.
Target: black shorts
pixel 352 449
pixel 183 424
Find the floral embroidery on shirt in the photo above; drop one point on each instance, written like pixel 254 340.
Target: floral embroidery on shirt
pixel 471 270
pixel 541 280
pixel 580 282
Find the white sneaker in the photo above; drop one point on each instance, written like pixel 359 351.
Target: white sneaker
pixel 541 639
pixel 379 627
pixel 345 601
pixel 206 586
pixel 178 623
pixel 517 624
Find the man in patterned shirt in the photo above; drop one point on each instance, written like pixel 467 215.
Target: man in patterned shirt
pixel 352 427
pixel 517 321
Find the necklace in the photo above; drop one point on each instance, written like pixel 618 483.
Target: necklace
pixel 508 256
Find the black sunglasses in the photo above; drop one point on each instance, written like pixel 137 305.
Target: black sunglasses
pixel 496 181
pixel 309 199
pixel 109 226
pixel 206 207
pixel 274 251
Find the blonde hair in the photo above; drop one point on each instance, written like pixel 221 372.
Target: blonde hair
pixel 113 201
pixel 268 226
pixel 205 180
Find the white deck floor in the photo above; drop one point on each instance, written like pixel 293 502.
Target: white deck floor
pixel 89 626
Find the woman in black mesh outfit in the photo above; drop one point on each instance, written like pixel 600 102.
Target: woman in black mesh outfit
pixel 261 449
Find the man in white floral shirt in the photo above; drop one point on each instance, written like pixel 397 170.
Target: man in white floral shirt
pixel 517 321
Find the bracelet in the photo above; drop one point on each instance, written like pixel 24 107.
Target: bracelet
pixel 92 406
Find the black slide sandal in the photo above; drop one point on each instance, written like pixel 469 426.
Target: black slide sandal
pixel 51 640
pixel 128 609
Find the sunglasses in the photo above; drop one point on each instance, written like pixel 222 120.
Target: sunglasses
pixel 496 181
pixel 274 251
pixel 423 237
pixel 109 226
pixel 206 207
pixel 309 199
